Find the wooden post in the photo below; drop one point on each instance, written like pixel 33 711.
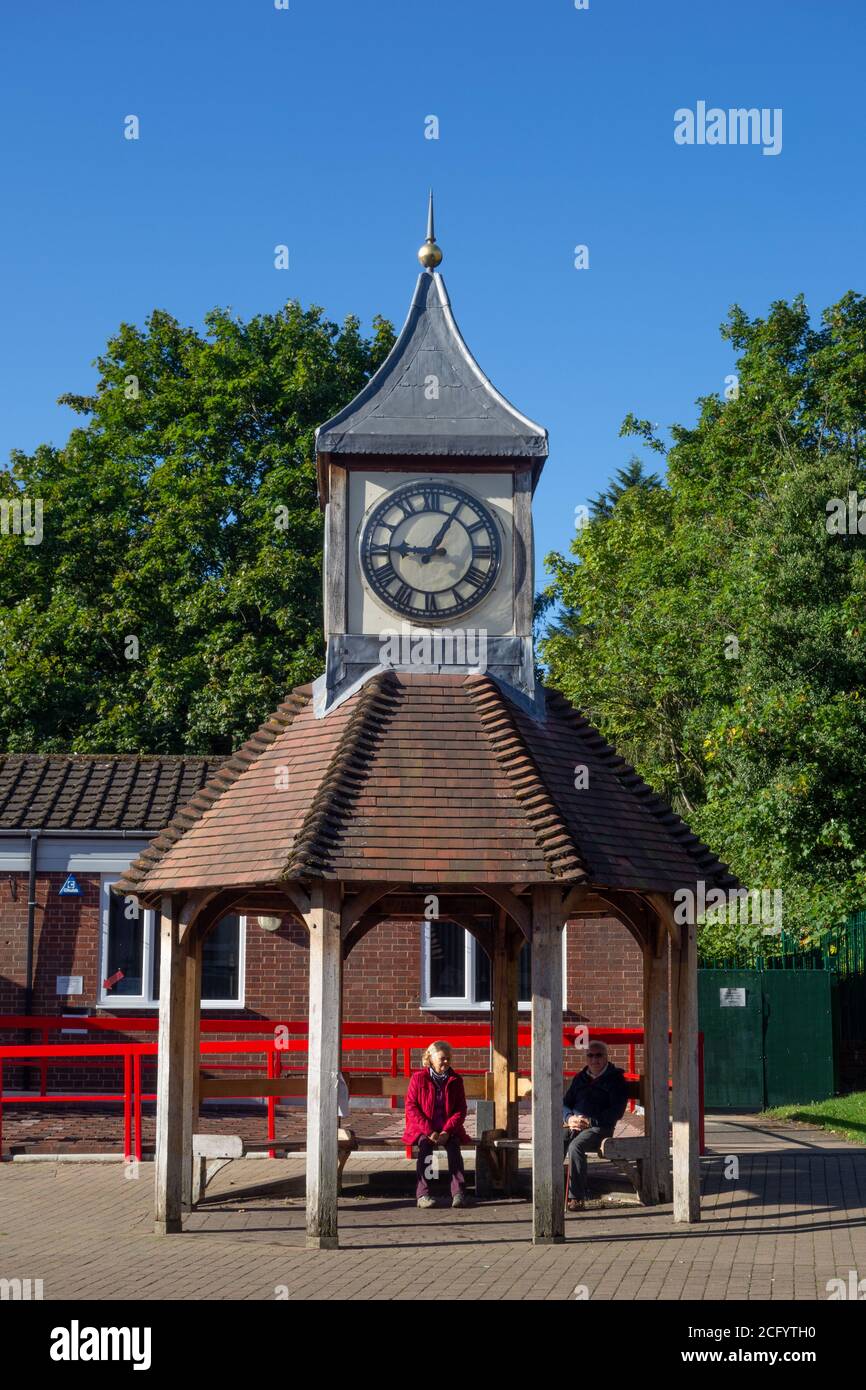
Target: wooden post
pixel 684 1029
pixel 656 1171
pixel 169 1085
pixel 323 1066
pixel 548 1218
pixel 191 1056
pixel 507 945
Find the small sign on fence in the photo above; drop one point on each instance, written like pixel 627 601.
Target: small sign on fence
pixel 732 998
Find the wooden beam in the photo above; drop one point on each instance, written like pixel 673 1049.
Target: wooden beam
pixel 684 1029
pixel 656 1170
pixel 323 1065
pixel 336 547
pixel 518 911
pixel 193 947
pixel 548 1224
pixel 507 944
pixel 168 1165
pixel 523 578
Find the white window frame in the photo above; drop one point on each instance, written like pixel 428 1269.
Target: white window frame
pixel 107 1000
pixel 440 1004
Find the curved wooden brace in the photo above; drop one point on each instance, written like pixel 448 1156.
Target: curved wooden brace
pixel 504 898
pixel 482 934
pixel 624 911
pixel 663 906
pixel 360 929
pixel 358 904
pixel 299 899
pixel 208 914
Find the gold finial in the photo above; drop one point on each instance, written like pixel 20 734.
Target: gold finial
pixel 430 254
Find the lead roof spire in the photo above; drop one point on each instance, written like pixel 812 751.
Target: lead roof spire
pixel 430 254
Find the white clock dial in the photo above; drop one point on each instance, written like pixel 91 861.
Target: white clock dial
pixel 430 551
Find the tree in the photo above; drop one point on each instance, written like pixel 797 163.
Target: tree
pixel 176 593
pixel 633 475
pixel 718 623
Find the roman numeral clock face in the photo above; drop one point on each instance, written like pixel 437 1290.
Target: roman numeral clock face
pixel 430 551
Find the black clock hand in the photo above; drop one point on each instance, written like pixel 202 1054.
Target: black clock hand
pixel 422 550
pixel 437 539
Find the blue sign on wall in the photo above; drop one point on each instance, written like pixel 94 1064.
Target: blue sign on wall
pixel 70 888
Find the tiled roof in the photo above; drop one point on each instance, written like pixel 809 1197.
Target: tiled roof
pixel 425 779
pixel 83 791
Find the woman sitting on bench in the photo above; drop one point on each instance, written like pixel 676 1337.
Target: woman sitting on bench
pixel 435 1111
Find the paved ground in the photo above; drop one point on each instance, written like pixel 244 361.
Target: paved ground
pixel 793 1219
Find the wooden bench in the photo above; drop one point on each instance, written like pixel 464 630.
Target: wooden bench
pixel 211 1152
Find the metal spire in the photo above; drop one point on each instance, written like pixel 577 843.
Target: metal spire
pixel 430 255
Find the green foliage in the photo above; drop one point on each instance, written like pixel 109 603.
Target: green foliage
pixel 183 513
pixel 633 475
pixel 716 630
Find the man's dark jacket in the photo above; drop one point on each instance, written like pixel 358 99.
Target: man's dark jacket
pixel 602 1101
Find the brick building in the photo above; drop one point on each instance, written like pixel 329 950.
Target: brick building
pixel 90 816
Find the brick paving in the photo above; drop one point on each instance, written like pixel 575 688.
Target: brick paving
pixel 794 1218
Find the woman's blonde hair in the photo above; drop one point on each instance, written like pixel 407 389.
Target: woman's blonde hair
pixel 435 1047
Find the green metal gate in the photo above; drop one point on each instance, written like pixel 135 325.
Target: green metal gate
pixel 768 1037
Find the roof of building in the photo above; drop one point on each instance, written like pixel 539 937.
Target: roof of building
pixel 420 779
pixel 430 397
pixel 97 791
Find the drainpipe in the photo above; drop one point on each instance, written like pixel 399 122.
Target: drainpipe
pixel 31 921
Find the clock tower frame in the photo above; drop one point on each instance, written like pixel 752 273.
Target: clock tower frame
pixel 429 416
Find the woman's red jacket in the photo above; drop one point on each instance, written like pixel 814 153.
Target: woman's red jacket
pixel 420 1099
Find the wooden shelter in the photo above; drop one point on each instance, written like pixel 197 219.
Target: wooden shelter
pixel 385 785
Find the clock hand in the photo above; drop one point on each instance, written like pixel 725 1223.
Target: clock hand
pixel 423 550
pixel 437 539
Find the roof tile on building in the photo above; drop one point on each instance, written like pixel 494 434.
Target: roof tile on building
pixel 421 779
pixel 95 791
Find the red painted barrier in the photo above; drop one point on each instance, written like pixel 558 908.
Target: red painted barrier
pixel 357 1037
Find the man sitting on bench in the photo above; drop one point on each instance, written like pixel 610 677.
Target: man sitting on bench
pixel 591 1107
pixel 435 1111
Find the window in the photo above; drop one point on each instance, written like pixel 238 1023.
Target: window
pixel 129 956
pixel 455 970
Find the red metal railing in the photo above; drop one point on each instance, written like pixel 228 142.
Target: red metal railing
pixel 398 1039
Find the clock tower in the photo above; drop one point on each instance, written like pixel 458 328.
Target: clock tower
pixel 426 479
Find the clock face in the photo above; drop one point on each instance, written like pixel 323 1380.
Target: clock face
pixel 430 551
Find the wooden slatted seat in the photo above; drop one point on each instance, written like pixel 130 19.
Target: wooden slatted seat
pixel 211 1152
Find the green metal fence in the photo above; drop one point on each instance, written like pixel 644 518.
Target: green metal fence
pixel 840 957
pixel 841 949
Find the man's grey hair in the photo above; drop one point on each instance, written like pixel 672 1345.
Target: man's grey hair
pixel 594 1042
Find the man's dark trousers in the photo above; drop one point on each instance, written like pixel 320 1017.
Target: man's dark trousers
pixel 579 1143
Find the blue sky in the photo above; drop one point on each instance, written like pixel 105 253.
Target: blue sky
pixel 306 127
